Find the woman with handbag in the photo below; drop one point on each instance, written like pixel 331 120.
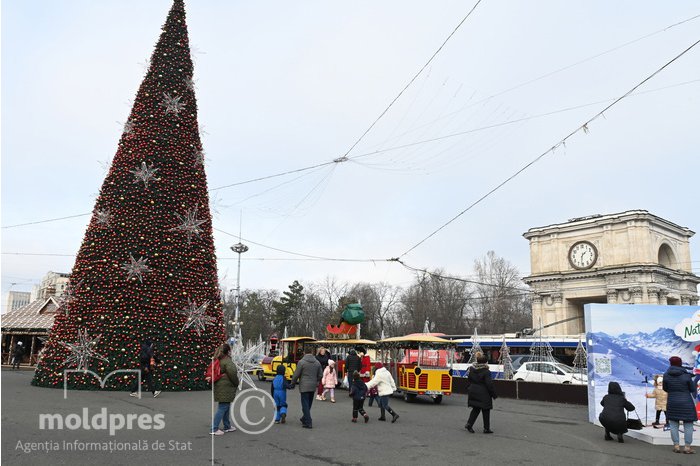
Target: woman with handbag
pixel 613 417
pixel 680 406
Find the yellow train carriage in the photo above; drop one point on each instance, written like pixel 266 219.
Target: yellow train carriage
pixel 291 351
pixel 420 364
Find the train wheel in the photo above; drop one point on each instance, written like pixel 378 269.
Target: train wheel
pixel 261 375
pixel 437 400
pixel 409 397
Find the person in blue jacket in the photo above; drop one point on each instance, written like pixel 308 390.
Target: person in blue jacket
pixel 278 390
pixel 680 406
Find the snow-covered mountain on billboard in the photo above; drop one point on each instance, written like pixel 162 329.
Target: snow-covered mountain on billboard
pixel 663 341
pixel 634 356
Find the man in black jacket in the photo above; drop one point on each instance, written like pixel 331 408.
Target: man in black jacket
pixel 17 355
pixel 147 362
pixel 352 363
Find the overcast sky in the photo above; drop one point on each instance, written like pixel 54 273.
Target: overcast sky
pixel 286 85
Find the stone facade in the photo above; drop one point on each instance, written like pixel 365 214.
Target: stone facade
pixel 631 257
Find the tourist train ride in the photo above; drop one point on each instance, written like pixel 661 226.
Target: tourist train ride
pixel 290 351
pixel 420 364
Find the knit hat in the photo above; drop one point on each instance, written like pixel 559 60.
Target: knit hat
pixel 331 362
pixel 281 369
pixel 20 343
pixel 675 361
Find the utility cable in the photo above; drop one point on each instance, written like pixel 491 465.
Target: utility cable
pixel 583 127
pixel 411 81
pixel 388 149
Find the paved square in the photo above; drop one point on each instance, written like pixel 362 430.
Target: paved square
pixel 525 432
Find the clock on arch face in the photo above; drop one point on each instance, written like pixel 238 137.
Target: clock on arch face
pixel 583 255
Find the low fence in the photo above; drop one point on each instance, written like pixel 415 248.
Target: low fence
pixel 537 391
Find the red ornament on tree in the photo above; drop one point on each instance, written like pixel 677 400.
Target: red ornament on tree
pixel 148 253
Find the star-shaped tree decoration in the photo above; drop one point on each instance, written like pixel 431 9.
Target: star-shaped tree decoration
pixel 128 127
pixel 172 104
pixel 82 351
pixel 103 218
pixel 68 296
pixel 146 173
pixel 189 82
pixel 189 224
pixel 245 361
pixel 199 158
pixel 197 317
pixel 136 268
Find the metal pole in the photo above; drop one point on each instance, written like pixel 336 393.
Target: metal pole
pixel 239 248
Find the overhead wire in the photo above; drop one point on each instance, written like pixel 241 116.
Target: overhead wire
pixel 583 127
pixel 470 104
pixel 399 147
pixel 412 80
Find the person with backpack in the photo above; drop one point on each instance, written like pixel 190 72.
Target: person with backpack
pixel 358 392
pixel 225 386
pixel 278 390
pixel 147 363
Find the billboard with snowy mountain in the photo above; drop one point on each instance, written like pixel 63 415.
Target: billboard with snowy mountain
pixel 630 343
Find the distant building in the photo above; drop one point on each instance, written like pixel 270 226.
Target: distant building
pixel 29 324
pixel 17 299
pixel 53 284
pixel 631 257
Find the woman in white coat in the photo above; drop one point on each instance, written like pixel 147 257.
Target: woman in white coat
pixel 386 387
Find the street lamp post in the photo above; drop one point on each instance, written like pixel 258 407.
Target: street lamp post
pixel 239 248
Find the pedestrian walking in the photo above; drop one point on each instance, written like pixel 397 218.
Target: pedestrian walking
pixel 17 355
pixel 613 417
pixel 480 394
pixel 224 390
pixel 329 381
pixel 278 390
pixel 385 387
pixel 358 392
pixel 661 397
pixel 147 364
pixel 680 406
pixel 323 357
pixel 308 374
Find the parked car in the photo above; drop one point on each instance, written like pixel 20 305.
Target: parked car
pixel 519 359
pixel 551 372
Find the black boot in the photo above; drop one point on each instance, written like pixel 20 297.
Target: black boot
pixel 607 435
pixel 381 416
pixel 394 416
pixel 620 439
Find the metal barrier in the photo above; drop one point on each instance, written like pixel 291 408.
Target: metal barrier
pixel 537 391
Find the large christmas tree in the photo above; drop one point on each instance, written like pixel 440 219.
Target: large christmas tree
pixel 146 268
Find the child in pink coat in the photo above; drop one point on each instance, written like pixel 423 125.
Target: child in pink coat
pixel 329 380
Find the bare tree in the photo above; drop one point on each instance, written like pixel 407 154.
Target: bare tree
pixel 378 301
pixel 500 300
pixel 440 300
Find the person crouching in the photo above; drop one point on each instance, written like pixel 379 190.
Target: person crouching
pixel 613 417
